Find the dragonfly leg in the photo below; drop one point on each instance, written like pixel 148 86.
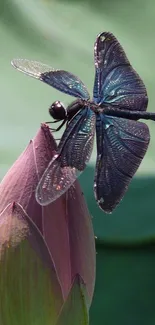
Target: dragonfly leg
pixel 59 127
pixel 55 121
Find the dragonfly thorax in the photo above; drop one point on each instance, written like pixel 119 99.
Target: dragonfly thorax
pixel 79 104
pixel 74 108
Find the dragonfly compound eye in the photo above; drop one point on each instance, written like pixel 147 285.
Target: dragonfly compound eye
pixel 57 110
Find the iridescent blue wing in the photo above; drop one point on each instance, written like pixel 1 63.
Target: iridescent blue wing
pixel 59 79
pixel 74 152
pixel 116 82
pixel 121 146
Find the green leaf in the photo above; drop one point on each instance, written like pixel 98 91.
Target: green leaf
pixel 29 289
pixel 74 310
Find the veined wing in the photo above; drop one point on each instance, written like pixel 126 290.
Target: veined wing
pixel 59 79
pixel 116 82
pixel 121 146
pixel 74 152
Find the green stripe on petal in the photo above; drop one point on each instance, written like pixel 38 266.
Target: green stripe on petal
pixel 30 292
pixel 75 308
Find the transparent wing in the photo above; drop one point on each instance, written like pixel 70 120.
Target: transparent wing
pixel 121 146
pixel 74 152
pixel 55 182
pixel 31 68
pixel 59 79
pixel 116 82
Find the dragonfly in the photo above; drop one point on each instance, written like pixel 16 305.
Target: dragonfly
pixel 119 101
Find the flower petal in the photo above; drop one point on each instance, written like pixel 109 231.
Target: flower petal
pixel 30 292
pixel 75 310
pixel 77 247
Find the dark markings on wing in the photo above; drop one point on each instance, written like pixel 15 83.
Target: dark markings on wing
pixel 76 144
pixel 121 146
pixel 74 152
pixel 116 82
pixel 66 82
pixel 59 79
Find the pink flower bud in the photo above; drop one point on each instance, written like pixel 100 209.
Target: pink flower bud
pixel 65 224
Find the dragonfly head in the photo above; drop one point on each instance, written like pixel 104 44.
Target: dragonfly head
pixel 58 111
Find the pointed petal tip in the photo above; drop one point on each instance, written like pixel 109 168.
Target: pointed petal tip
pixel 75 306
pixel 13 226
pixel 46 132
pixel 79 280
pixel 21 180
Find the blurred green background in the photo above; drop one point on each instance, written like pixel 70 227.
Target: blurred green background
pixel 62 34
